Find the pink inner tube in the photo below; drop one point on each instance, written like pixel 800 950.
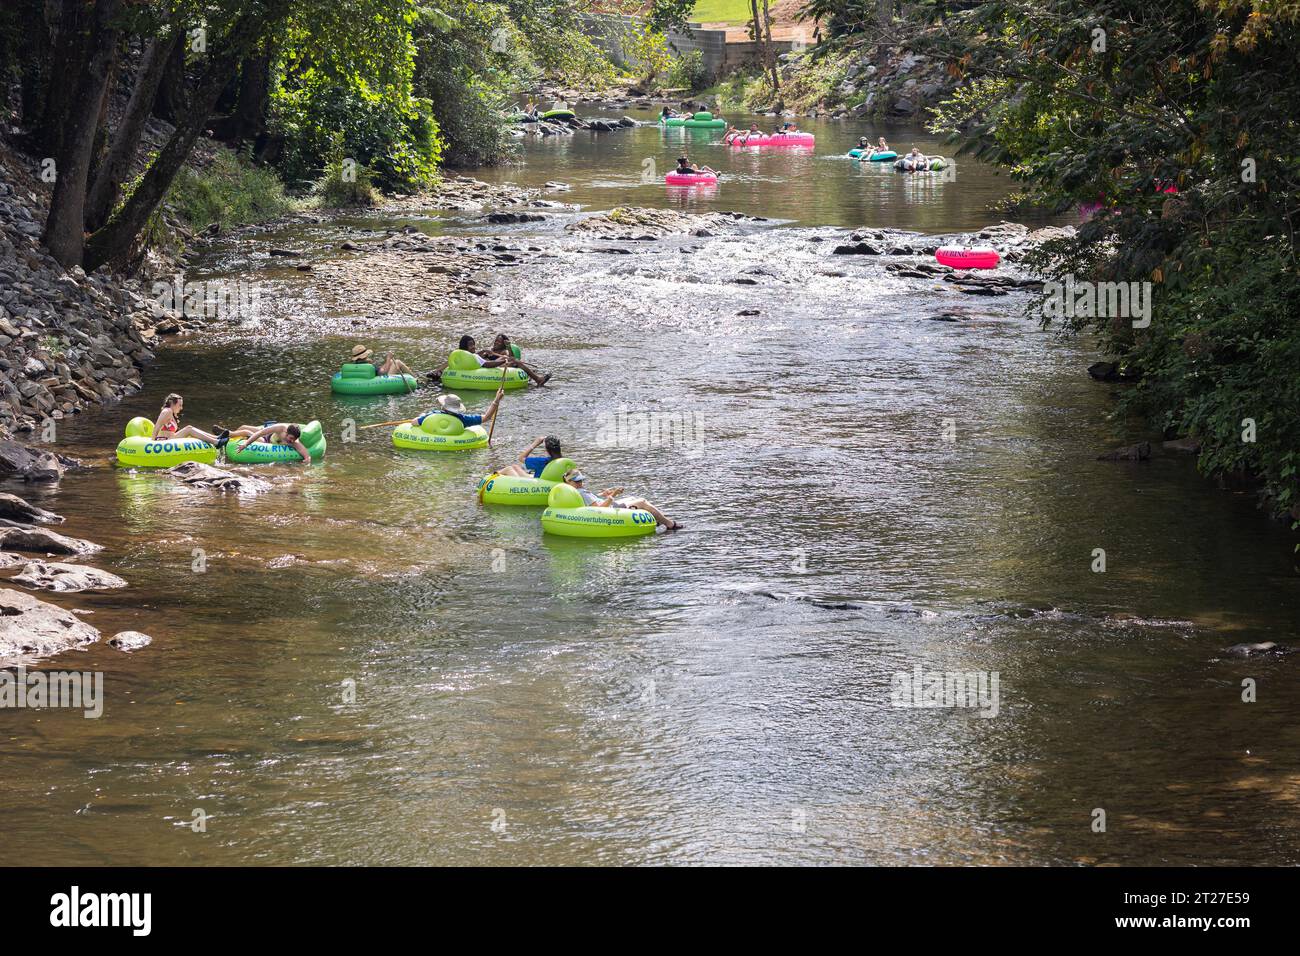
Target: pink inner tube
pixel 682 179
pixel 781 139
pixel 980 258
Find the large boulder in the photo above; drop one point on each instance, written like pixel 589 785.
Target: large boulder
pixel 53 576
pixel 19 461
pixel 205 476
pixel 14 508
pixel 31 628
pixel 44 541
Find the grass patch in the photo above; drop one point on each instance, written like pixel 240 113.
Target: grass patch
pixel 722 11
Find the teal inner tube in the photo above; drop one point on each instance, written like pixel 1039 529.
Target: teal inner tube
pixel 261 453
pixel 857 152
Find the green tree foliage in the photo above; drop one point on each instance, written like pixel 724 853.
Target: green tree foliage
pixel 1115 101
pixel 346 70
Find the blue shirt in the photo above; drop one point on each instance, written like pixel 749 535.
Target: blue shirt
pixel 466 420
pixel 537 464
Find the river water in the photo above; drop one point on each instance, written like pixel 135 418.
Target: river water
pixel 865 490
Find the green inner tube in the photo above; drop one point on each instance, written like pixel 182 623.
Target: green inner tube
pixel 345 384
pixel 559 114
pixel 694 122
pixel 260 453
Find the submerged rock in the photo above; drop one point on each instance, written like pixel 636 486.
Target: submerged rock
pixel 1183 446
pixel 1139 452
pixel 53 576
pixel 1262 649
pixel 44 541
pixel 30 627
pixel 128 641
pixel 205 476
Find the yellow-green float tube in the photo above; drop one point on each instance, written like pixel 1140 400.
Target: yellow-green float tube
pixel 566 515
pixel 464 372
pixel 139 449
pixel 439 432
pixel 509 490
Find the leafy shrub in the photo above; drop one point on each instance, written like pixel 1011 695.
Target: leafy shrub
pixel 344 182
pixel 687 71
pixel 230 191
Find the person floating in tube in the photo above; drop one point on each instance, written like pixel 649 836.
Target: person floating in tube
pixel 389 365
pixel 880 147
pixel 467 344
pixel 915 160
pixel 273 433
pixel 529 465
pixel 452 405
pixel 614 498
pixel 686 168
pixel 168 426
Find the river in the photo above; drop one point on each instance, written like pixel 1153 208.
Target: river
pixel 865 490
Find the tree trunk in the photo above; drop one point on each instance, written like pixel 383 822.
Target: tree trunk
pixel 99 148
pixel 33 62
pixel 170 103
pixel 113 241
pixel 770 51
pixel 63 234
pixel 117 166
pixel 67 56
pixel 254 94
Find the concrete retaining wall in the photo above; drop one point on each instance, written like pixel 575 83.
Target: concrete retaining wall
pixel 719 57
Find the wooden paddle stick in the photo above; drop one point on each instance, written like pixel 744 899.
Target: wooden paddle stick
pixel 504 370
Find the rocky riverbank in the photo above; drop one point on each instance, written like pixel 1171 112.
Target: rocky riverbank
pixel 889 77
pixel 30 628
pixel 67 340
